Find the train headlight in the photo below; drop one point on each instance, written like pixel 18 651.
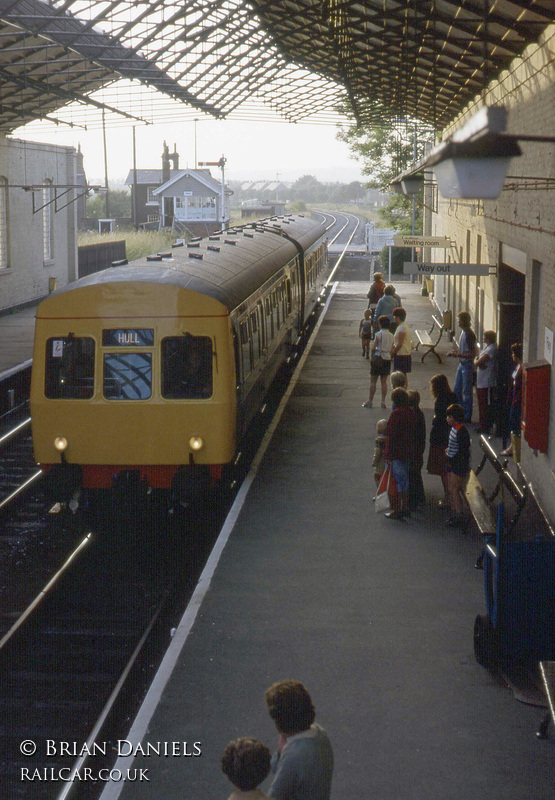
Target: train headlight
pixel 60 443
pixel 196 443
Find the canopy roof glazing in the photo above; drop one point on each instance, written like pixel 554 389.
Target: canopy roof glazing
pixel 379 60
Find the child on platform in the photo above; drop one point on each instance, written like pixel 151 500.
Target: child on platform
pixel 365 333
pixel 458 461
pixel 246 762
pixel 378 462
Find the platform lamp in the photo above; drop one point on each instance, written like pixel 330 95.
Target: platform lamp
pixel 473 163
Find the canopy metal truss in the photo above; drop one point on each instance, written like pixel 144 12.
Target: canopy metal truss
pixel 378 60
pixel 419 59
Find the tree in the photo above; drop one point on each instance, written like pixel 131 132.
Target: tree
pixel 384 153
pixel 120 205
pixel 308 188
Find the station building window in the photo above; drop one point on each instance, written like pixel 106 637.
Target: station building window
pixel 186 367
pixel 69 373
pixel 246 347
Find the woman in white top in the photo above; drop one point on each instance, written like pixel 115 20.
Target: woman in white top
pixel 486 379
pixel 402 347
pixel 380 364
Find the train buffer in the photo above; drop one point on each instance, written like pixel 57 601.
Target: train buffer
pixel 425 339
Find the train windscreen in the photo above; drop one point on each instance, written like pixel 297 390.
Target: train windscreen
pixel 186 367
pixel 69 373
pixel 127 376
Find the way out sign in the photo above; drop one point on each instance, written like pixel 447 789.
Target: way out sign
pixel 428 268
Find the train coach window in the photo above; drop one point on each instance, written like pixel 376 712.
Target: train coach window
pixel 69 373
pixel 127 376
pixel 186 367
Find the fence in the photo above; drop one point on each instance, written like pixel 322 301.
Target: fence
pixel 95 257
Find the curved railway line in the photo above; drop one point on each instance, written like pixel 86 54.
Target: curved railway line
pixel 84 627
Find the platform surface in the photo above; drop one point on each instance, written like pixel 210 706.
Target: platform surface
pixel 374 616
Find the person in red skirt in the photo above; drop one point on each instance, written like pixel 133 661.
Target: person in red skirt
pixel 439 432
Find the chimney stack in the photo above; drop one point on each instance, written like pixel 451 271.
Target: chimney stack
pixel 174 158
pixel 165 164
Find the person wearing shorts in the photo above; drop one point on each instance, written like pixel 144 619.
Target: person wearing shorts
pixel 380 363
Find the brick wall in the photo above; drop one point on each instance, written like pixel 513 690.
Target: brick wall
pixel 516 229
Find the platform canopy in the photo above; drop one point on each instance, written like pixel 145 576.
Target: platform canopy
pixel 378 61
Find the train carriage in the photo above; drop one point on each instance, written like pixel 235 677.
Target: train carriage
pixel 154 369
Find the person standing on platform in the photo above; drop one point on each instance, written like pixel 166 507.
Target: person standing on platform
pixel 514 403
pixel 400 451
pixel 458 462
pixel 439 433
pixel 386 306
pixel 486 381
pixel 246 762
pixel 378 461
pixel 380 363
pixel 376 291
pixel 417 495
pixel 466 353
pixel 402 344
pixel 303 764
pixel 365 332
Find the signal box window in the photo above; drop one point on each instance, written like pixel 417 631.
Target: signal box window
pixel 127 376
pixel 186 367
pixel 69 368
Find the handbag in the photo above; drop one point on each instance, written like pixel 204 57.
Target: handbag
pixel 382 501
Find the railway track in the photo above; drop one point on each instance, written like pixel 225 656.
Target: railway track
pixel 80 660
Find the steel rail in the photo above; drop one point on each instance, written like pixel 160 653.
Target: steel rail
pixel 340 259
pixel 42 594
pixel 14 431
pixel 21 489
pixel 88 747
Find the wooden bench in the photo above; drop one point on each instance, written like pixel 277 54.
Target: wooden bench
pixel 425 339
pixel 481 505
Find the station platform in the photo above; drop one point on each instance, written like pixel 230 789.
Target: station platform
pixel 374 616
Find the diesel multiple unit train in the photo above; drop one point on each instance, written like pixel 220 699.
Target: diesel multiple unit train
pixel 152 371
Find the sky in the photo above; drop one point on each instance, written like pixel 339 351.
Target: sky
pixel 253 150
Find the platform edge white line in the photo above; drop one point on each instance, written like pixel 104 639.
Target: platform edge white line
pixel 112 791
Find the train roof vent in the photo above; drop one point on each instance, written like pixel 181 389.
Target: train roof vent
pixel 178 244
pixel 196 255
pixel 213 247
pixel 154 258
pixel 121 263
pixel 164 255
pixel 230 241
pixel 194 244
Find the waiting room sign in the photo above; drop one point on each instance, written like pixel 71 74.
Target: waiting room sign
pixel 404 240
